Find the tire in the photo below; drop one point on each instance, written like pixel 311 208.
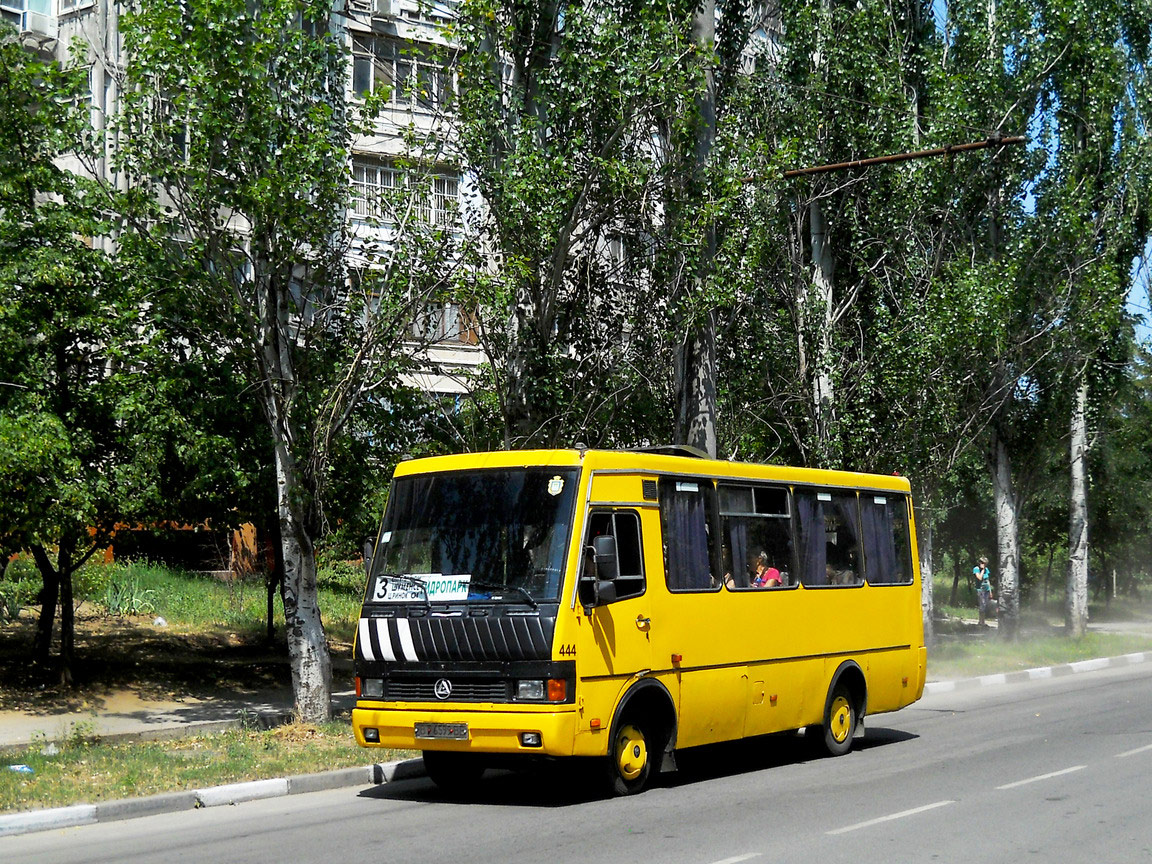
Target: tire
pixel 453 772
pixel 630 759
pixel 835 735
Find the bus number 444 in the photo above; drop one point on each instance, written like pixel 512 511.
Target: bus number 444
pixel 568 650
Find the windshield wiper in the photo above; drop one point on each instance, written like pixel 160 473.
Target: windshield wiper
pixel 521 591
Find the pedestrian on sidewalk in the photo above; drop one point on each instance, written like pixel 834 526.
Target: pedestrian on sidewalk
pixel 982 582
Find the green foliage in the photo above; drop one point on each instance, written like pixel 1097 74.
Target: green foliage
pixel 125 596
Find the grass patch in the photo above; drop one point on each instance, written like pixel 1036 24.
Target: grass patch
pixel 82 770
pixel 986 654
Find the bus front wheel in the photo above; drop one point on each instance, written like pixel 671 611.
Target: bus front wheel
pixel 453 772
pixel 839 727
pixel 630 762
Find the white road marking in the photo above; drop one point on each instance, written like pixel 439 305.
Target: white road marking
pixel 890 817
pixel 738 858
pixel 1042 777
pixel 1134 752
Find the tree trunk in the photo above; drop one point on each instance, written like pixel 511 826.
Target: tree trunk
pixel 274 578
pixel 823 284
pixel 696 385
pixel 1007 538
pixel 308 653
pixel 1076 613
pixel 49 597
pixel 67 620
pixel 696 365
pixel 924 539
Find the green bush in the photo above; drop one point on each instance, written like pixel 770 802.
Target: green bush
pixel 341 577
pixel 125 596
pixel 91 581
pixel 19 587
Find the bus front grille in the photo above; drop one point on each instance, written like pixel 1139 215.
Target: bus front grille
pixel 463 690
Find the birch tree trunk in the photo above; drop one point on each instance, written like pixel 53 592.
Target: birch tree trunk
pixel 1007 537
pixel 308 654
pixel 823 284
pixel 696 368
pixel 924 545
pixel 1076 612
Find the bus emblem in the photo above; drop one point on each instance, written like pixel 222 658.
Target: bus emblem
pixel 443 688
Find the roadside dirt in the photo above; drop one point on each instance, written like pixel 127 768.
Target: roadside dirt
pixel 131 655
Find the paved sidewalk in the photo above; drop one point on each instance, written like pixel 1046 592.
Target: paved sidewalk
pixel 124 715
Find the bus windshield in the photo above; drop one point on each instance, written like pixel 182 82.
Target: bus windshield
pixel 502 533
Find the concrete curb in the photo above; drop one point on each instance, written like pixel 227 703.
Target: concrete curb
pixel 213 796
pixel 1040 672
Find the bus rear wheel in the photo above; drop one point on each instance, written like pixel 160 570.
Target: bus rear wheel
pixel 839 727
pixel 453 772
pixel 630 761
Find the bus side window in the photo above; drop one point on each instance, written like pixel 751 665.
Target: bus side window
pixel 829 538
pixel 688 525
pixel 625 527
pixel 755 525
pixel 887 544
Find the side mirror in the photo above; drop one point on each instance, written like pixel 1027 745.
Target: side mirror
pixel 368 550
pixel 607 563
pixel 605 592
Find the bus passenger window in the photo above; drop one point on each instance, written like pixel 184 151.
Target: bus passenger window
pixel 687 522
pixel 625 527
pixel 829 532
pixel 756 536
pixel 887 545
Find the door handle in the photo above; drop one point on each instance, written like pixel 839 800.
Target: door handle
pixel 643 624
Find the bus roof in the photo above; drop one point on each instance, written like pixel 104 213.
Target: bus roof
pixel 654 460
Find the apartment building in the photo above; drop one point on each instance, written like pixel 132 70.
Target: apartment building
pixel 397 51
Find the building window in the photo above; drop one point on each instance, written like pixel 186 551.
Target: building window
pixel 405 75
pixel 437 322
pixel 382 191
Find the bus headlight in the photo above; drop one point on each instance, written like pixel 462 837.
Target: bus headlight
pixel 370 688
pixel 531 690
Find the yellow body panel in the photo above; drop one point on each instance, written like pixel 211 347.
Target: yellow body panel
pixel 735 663
pixel 491 729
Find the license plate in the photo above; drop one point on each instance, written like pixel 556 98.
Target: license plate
pixel 449 731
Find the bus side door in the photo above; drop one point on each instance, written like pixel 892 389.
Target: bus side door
pixel 615 647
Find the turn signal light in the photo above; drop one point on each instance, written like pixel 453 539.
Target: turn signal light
pixel 557 689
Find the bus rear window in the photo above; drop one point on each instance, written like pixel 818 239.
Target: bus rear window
pixel 887 544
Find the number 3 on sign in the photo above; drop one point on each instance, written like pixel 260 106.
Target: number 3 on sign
pixel 568 650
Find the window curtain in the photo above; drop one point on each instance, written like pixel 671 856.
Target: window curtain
pixel 738 544
pixel 813 554
pixel 684 520
pixel 879 542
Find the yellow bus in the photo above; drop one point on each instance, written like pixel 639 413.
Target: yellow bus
pixel 624 605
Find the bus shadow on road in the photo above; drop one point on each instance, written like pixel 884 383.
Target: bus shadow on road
pixel 749 755
pixel 570 782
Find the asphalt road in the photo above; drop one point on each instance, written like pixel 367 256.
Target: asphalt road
pixel 1056 770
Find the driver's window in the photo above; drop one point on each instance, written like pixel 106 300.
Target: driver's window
pixel 624 525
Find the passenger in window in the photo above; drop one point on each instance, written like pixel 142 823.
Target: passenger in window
pixel 840 577
pixel 766 577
